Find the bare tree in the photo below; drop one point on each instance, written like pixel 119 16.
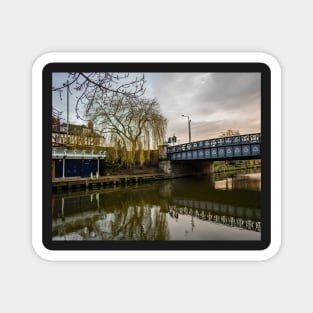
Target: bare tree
pixel 230 132
pixel 87 86
pixel 132 124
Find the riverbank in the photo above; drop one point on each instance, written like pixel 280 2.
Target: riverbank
pixel 218 169
pixel 134 177
pixel 113 180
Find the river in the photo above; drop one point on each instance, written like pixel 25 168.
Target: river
pixel 222 207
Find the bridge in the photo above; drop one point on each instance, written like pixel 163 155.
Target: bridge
pixel 234 147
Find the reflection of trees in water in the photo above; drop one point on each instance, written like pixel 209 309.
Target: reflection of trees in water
pixel 142 222
pixel 133 223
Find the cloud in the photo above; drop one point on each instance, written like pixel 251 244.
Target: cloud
pixel 215 102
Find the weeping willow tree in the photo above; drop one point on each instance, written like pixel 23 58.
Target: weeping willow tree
pixel 132 126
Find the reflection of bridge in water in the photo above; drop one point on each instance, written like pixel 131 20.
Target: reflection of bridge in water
pixel 247 218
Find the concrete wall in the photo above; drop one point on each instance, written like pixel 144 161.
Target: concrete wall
pixel 186 168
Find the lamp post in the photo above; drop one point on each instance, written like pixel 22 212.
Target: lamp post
pixel 67 108
pixel 189 121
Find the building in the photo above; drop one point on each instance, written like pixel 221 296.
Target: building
pixel 77 152
pixel 77 163
pixel 77 135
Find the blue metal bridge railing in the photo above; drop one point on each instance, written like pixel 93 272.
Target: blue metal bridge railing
pixel 233 147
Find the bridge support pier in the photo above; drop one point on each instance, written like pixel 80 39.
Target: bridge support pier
pixel 187 168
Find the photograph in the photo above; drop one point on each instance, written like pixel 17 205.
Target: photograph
pixel 156 156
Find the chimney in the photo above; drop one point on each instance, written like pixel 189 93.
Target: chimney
pixel 90 125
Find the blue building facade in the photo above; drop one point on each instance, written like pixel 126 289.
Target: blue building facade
pixel 76 163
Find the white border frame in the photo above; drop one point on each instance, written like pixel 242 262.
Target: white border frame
pixel 244 57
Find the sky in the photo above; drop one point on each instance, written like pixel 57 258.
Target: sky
pixel 214 102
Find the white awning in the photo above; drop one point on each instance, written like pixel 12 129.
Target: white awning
pixel 60 153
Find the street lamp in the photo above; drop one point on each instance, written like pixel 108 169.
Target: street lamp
pixel 189 121
pixel 67 104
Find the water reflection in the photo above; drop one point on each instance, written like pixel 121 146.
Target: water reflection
pixel 239 181
pixel 182 209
